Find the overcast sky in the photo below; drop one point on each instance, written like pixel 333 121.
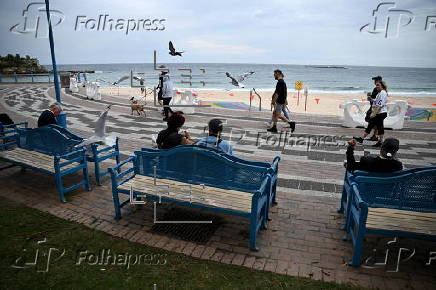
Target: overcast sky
pixel 240 31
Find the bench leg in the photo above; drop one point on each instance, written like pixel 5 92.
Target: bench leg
pixel 265 213
pixel 358 233
pixel 116 201
pixel 60 188
pixel 343 200
pixel 357 251
pixel 274 191
pixel 97 172
pixel 253 232
pixel 86 177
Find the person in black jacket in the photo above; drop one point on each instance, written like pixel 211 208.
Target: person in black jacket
pixel 49 116
pixel 385 163
pixel 170 137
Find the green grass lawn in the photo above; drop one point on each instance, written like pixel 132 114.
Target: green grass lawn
pixel 22 227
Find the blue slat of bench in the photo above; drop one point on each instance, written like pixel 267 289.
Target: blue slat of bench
pixel 194 165
pixel 358 175
pixel 271 168
pixel 48 141
pixel 97 157
pixel 412 190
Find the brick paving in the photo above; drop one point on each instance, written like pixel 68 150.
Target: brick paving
pixel 304 237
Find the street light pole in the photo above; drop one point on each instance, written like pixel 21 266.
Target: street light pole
pixel 62 118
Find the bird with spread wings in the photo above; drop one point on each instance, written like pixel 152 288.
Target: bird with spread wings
pixel 173 51
pixel 238 81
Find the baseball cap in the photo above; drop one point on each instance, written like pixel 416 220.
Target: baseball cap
pixel 390 146
pixel 377 78
pixel 215 125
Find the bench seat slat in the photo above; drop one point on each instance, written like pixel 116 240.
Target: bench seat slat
pixel 216 197
pixel 34 159
pixel 401 221
pixel 197 193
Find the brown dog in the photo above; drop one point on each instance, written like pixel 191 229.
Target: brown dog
pixel 136 107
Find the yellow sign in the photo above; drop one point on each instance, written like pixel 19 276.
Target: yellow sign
pixel 299 85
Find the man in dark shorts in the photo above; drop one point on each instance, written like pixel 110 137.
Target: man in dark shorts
pixel 384 163
pixel 280 95
pixel 48 117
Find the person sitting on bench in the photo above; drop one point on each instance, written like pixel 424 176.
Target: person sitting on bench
pixel 214 138
pixel 385 163
pixel 48 117
pixel 171 137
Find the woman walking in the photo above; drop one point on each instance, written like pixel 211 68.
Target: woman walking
pixel 379 112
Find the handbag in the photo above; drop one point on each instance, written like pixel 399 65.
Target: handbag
pixel 374 111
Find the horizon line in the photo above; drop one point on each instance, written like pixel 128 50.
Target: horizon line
pixel 245 63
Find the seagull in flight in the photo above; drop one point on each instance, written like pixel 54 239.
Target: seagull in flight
pixel 238 81
pixel 125 78
pixel 173 51
pixel 100 135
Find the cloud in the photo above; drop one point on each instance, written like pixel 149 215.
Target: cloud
pixel 221 48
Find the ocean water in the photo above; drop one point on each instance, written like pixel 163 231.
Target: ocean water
pixel 348 80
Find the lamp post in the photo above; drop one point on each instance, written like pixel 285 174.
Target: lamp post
pixel 62 118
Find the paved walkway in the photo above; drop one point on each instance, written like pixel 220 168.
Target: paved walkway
pixel 304 237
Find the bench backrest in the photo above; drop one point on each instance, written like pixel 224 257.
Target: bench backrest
pixel 46 140
pixel 412 190
pixel 231 157
pixel 67 132
pixel 192 164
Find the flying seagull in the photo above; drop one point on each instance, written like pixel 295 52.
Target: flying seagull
pixel 100 132
pixel 173 51
pixel 238 82
pixel 125 78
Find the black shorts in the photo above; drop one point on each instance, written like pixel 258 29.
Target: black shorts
pixel 377 122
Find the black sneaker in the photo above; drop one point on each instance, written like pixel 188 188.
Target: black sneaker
pixel 292 126
pixel 358 139
pixel 373 138
pixel 165 119
pixel 272 129
pixel 378 144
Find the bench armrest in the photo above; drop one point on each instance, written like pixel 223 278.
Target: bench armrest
pixel 356 197
pixel 97 151
pixel 263 187
pixel 78 156
pixel 117 174
pixel 275 164
pixel 70 154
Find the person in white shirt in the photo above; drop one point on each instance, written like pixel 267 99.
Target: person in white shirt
pixel 378 114
pixel 167 94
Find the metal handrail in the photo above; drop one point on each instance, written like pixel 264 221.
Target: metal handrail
pixel 260 99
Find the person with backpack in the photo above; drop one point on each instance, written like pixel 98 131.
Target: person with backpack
pixel 213 140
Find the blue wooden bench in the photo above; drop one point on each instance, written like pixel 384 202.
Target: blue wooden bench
pixel 350 177
pixel 44 150
pixel 98 154
pixel 271 168
pixel 198 178
pixel 401 205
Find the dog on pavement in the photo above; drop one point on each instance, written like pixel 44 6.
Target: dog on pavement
pixel 135 106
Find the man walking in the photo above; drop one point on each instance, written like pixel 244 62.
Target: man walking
pixel 167 94
pixel 280 96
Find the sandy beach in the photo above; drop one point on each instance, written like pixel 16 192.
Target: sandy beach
pixel 321 104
